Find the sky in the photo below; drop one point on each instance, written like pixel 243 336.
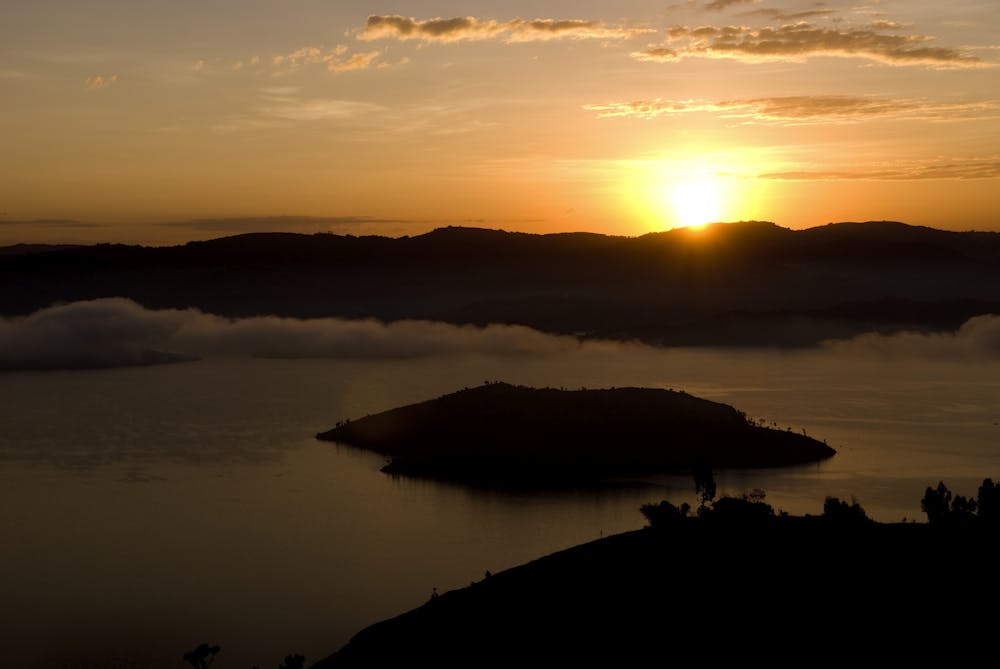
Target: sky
pixel 161 122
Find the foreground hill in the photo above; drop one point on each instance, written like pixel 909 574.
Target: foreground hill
pixel 740 283
pixel 787 591
pixel 499 434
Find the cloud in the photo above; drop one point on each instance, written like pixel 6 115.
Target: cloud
pixel 977 338
pixel 116 332
pixel 969 168
pixel 337 59
pixel 719 5
pixel 51 223
pixel 882 24
pixel 15 74
pixel 99 81
pixel 782 15
pixel 799 41
pixel 282 223
pixel 805 109
pixel 469 28
pixel 357 61
pixel 282 106
pixel 316 109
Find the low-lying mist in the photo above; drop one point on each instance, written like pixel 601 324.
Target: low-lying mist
pixel 115 332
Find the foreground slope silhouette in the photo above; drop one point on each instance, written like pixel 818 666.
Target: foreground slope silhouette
pixel 504 435
pixel 731 586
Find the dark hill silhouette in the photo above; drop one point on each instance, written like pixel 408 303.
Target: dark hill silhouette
pixel 741 283
pixel 503 435
pixel 783 591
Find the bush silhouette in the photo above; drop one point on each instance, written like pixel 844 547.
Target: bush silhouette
pixel 740 509
pixel 664 513
pixel 201 657
pixel 840 512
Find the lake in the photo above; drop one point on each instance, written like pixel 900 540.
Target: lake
pixel 146 510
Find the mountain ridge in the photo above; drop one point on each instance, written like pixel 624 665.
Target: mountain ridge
pixel 746 283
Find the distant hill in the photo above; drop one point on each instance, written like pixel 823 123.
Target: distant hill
pixel 749 283
pixel 503 435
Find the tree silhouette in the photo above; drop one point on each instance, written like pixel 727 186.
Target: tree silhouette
pixel 936 502
pixel 989 501
pixel 202 657
pixel 664 513
pixel 704 487
pixel 839 511
pixel 295 661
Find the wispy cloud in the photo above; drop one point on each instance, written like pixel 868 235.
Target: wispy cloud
pixel 883 24
pixel 469 28
pixel 316 109
pixel 802 40
pixel 805 109
pixel 987 167
pixel 99 81
pixel 337 59
pixel 238 224
pixel 783 15
pixel 15 74
pixel 719 5
pixel 49 223
pixel 282 106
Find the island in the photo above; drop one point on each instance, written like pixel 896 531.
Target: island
pixel 504 435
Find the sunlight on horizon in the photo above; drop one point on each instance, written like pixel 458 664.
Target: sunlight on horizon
pixel 696 202
pixel 670 195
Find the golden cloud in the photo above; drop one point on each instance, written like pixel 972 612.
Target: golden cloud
pixel 719 5
pixel 805 109
pixel 799 41
pixel 969 168
pixel 99 81
pixel 337 59
pixel 469 28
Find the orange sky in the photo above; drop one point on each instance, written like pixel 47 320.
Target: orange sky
pixel 161 122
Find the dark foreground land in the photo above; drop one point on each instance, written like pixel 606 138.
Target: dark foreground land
pixel 504 435
pixel 790 591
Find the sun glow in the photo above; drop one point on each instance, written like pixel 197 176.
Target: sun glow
pixel 684 192
pixel 695 202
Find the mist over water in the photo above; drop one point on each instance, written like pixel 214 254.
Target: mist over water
pixel 116 332
pixel 149 509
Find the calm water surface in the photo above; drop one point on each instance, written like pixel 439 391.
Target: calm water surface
pixel 147 510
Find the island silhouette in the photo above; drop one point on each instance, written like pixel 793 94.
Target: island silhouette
pixel 503 435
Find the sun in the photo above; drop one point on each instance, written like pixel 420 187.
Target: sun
pixel 695 202
pixel 682 193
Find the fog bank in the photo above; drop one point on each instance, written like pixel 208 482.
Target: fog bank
pixel 114 332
